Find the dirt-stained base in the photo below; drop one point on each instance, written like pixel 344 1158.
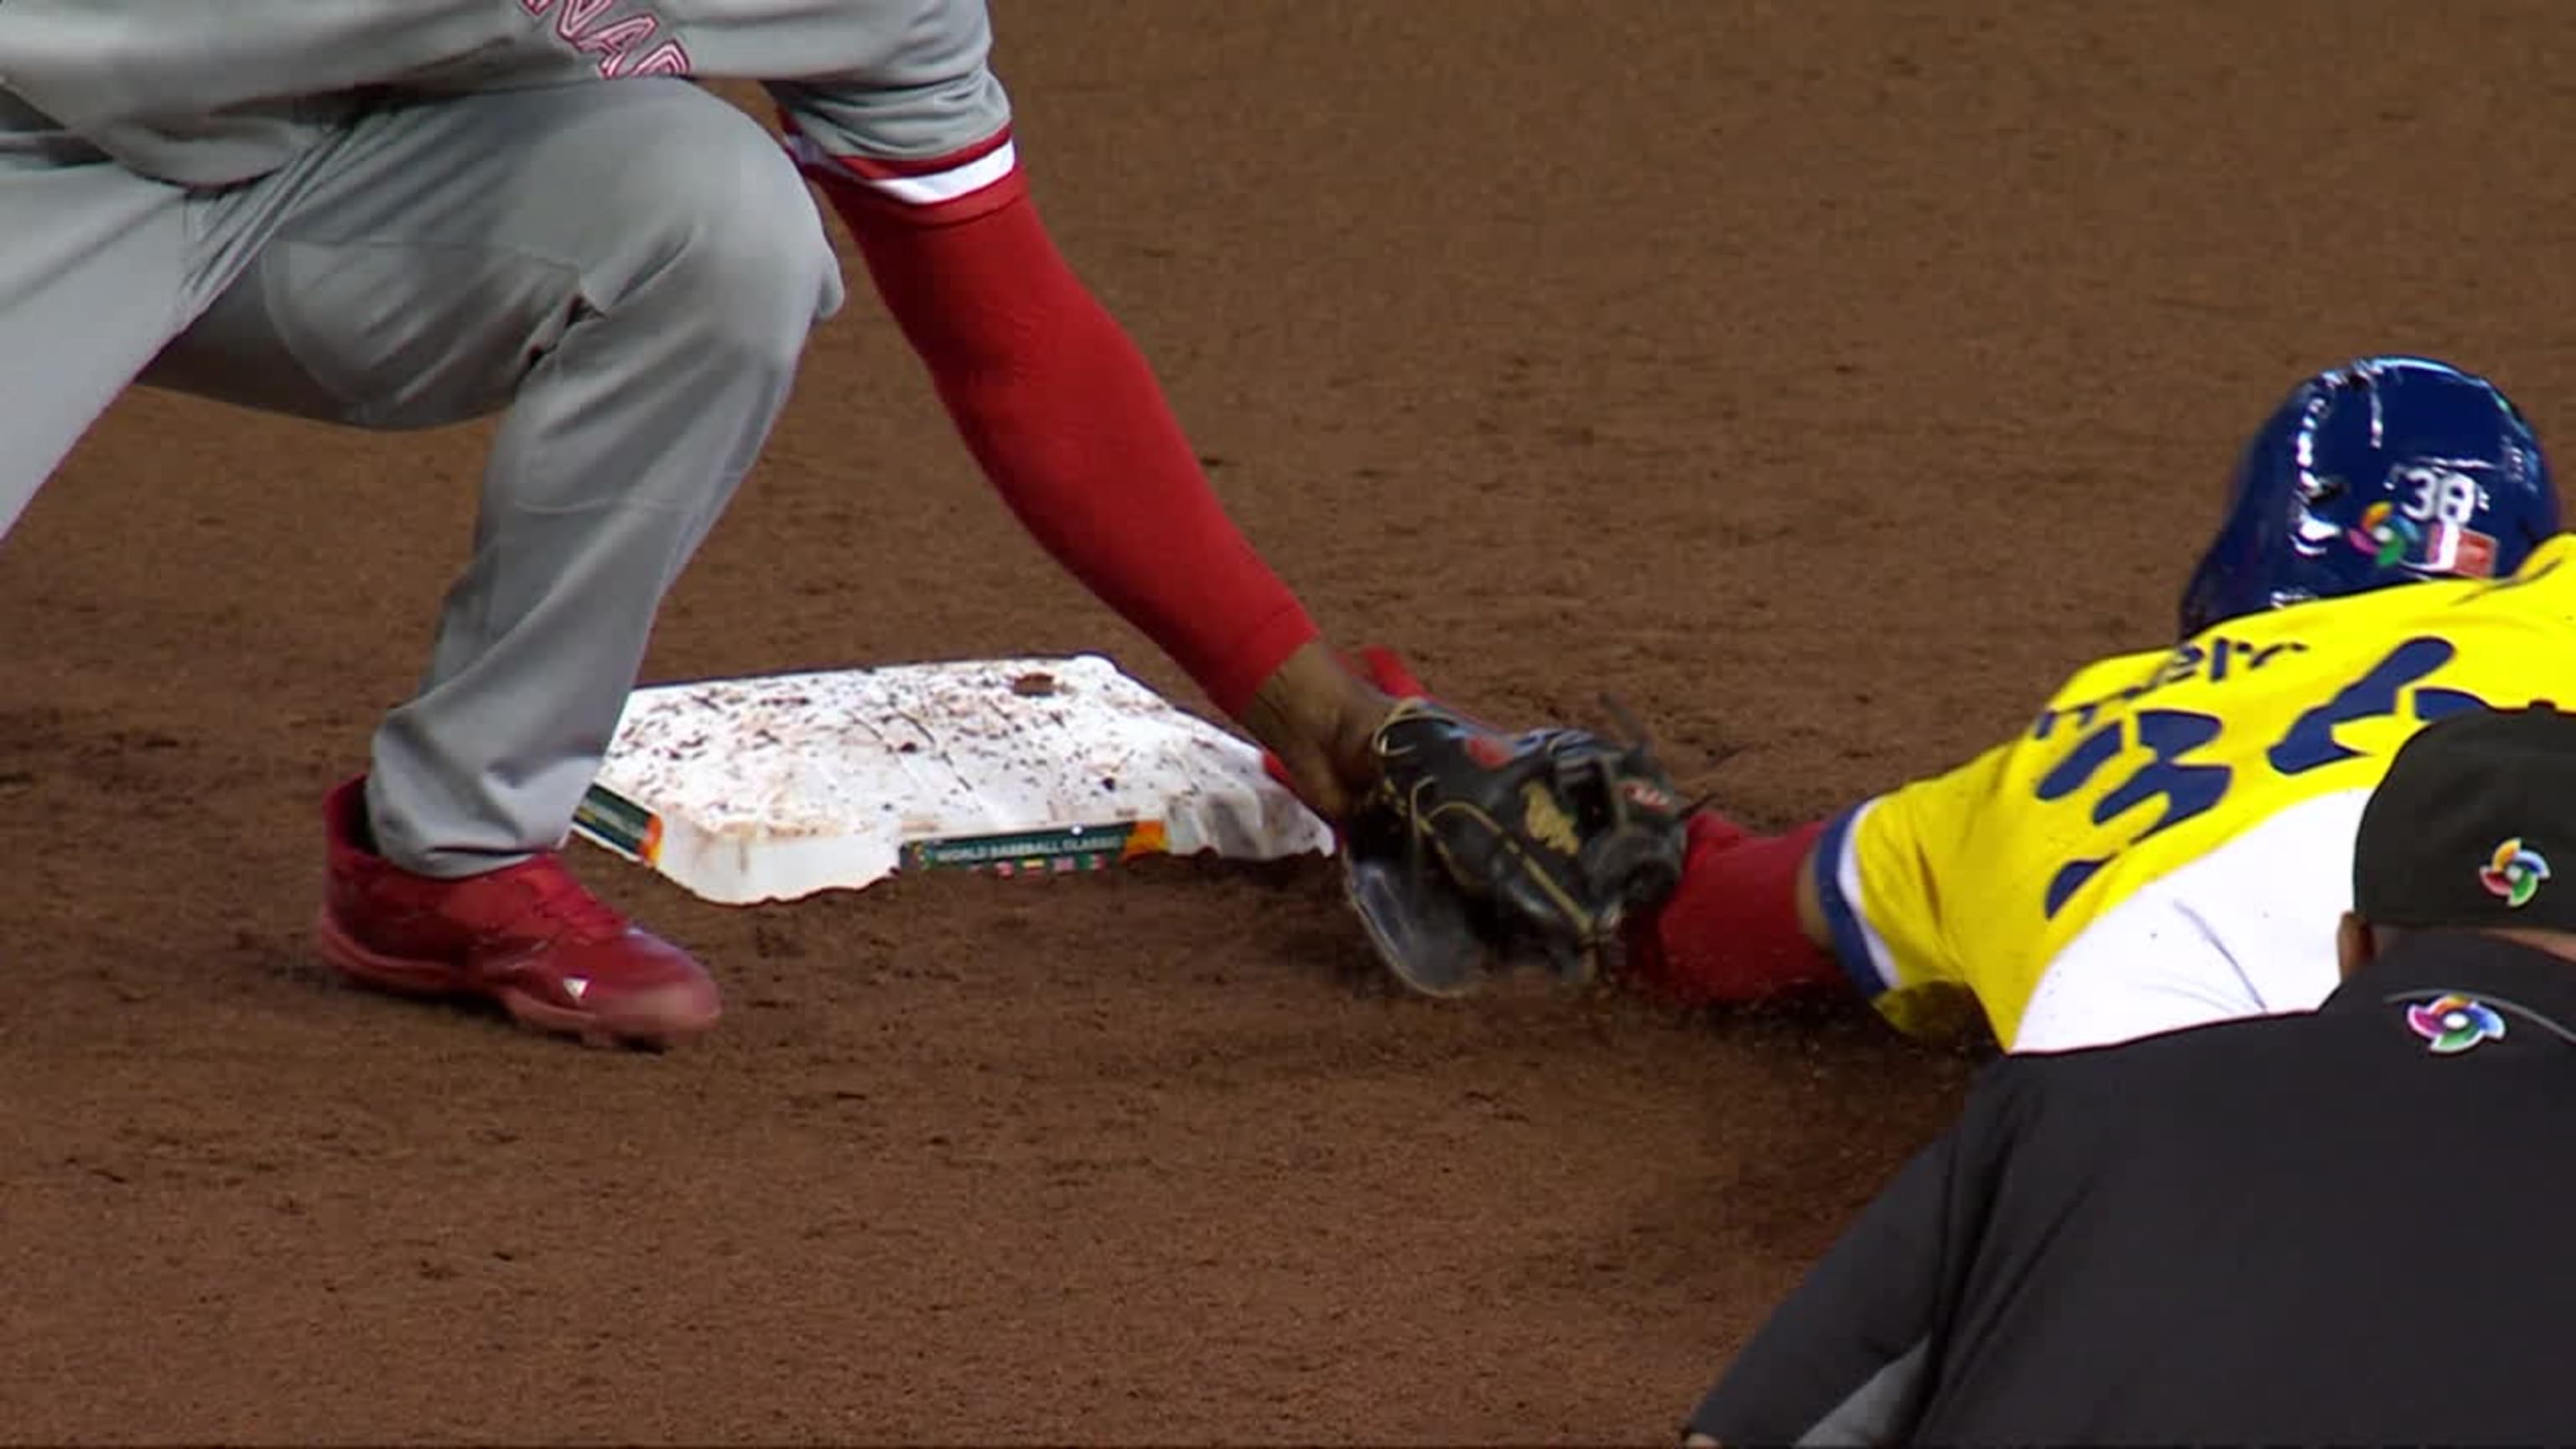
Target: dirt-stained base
pixel 1822 378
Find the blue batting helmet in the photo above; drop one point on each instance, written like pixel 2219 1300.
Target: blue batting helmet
pixel 2387 470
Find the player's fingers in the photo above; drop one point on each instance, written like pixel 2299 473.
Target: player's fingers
pixel 1387 670
pixel 1312 778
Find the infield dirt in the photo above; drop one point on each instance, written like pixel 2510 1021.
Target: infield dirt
pixel 1824 378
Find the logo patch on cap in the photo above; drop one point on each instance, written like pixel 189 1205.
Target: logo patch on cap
pixel 2514 872
pixel 2453 1024
pixel 2382 535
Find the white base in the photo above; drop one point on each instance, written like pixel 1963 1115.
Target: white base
pixel 777 787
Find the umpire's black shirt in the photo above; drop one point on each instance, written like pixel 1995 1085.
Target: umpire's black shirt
pixel 2302 1228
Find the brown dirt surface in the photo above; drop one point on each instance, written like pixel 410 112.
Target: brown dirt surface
pixel 1824 378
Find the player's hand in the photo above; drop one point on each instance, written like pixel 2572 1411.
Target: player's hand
pixel 1316 717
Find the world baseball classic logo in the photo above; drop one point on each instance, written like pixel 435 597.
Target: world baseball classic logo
pixel 2514 873
pixel 2454 1024
pixel 2382 535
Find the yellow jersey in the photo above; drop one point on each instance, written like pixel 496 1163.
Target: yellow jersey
pixel 2170 840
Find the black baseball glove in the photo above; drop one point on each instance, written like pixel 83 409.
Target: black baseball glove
pixel 1479 851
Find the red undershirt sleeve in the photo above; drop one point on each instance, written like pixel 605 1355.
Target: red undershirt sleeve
pixel 1730 932
pixel 1061 411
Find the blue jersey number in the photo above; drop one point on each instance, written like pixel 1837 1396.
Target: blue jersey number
pixel 2189 788
pixel 2310 742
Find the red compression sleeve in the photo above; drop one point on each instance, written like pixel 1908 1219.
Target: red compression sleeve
pixel 1061 411
pixel 1730 933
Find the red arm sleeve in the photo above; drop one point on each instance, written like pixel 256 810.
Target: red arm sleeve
pixel 1063 414
pixel 1730 932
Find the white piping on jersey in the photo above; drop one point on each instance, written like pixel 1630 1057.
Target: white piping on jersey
pixel 942 186
pixel 964 179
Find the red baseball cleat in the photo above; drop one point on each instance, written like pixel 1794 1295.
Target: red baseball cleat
pixel 528 937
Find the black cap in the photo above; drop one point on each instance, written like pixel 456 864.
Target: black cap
pixel 2474 825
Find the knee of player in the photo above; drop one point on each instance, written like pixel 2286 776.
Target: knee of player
pixel 743 255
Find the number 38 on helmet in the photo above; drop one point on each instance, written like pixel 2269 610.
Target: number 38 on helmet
pixel 2387 470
